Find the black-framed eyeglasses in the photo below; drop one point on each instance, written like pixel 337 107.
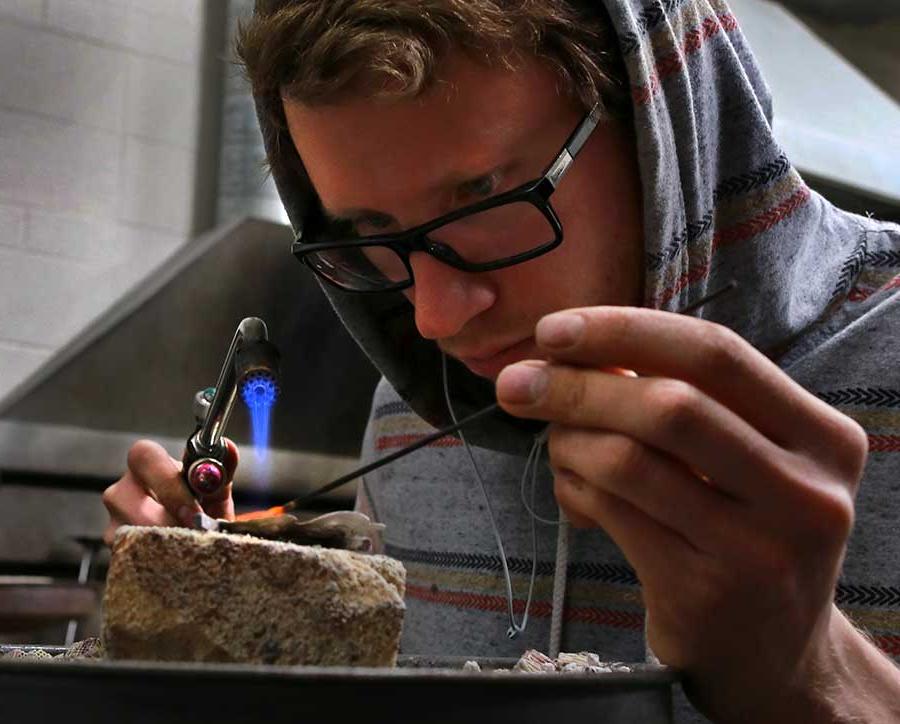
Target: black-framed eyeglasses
pixel 501 231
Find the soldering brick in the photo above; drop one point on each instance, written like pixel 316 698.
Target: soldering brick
pixel 181 595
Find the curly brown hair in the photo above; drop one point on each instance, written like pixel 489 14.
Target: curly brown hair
pixel 318 52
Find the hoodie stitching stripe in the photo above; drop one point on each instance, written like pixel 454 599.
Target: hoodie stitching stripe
pixel 877 275
pixel 673 62
pixel 883 626
pixel 850 270
pixel 391 408
pixel 862 396
pixel 387 442
pixel 872 277
pixel 861 294
pixel 864 595
pixel 608 572
pixel 889 644
pixel 631 620
pixel 885 621
pixel 751 180
pixel 402 425
pixel 793 194
pixel 539 609
pixel 739 232
pixel 877 409
pixel 647 22
pixel 664 40
pixel 729 189
pixel 884 443
pixel 846 593
pixel 885 258
pixel 578 593
pixel 661 25
pixel 872 596
pixel 882 421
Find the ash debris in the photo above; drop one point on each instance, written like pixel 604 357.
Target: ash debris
pixel 536 662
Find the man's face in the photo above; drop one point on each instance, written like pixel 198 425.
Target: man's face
pixel 391 165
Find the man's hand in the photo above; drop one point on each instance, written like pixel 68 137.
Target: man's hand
pixel 727 486
pixel 152 491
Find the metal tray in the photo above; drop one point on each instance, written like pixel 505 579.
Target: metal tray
pixel 422 689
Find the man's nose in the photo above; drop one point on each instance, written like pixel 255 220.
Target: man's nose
pixel 445 299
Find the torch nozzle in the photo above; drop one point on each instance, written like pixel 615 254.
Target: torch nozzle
pixel 259 389
pixel 256 366
pixel 251 357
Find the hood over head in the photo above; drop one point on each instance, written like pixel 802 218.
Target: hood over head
pixel 721 202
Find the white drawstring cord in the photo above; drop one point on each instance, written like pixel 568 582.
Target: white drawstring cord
pixel 534 458
pixel 514 628
pixel 562 538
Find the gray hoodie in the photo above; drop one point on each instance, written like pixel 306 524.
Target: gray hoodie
pixel 817 293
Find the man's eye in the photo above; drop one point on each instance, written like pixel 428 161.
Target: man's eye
pixel 340 229
pixel 480 187
pixel 370 225
pixel 354 228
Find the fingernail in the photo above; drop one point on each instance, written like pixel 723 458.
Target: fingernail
pixel 520 383
pixel 560 330
pixel 186 515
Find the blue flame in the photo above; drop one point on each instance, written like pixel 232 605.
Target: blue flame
pixel 259 391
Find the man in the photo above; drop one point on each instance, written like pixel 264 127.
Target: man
pixel 556 224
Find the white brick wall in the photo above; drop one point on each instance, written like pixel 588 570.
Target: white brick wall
pixel 98 122
pixel 23 9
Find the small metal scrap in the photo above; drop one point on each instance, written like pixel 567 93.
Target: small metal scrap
pixel 90 648
pixel 340 529
pixel 534 661
pixel 580 661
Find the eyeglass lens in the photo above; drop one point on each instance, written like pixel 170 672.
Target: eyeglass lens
pixel 488 236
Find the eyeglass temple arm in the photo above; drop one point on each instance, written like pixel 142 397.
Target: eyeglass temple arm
pixel 578 138
pixel 585 128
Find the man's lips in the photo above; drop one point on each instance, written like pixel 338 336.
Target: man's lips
pixel 490 363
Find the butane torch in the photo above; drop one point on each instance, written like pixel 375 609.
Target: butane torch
pixel 251 367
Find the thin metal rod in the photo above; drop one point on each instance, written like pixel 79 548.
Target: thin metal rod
pixel 428 439
pixel 387 459
pixel 709 297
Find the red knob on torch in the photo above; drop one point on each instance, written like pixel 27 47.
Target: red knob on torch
pixel 206 477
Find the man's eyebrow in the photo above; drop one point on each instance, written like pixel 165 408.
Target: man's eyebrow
pixel 453 180
pixel 354 214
